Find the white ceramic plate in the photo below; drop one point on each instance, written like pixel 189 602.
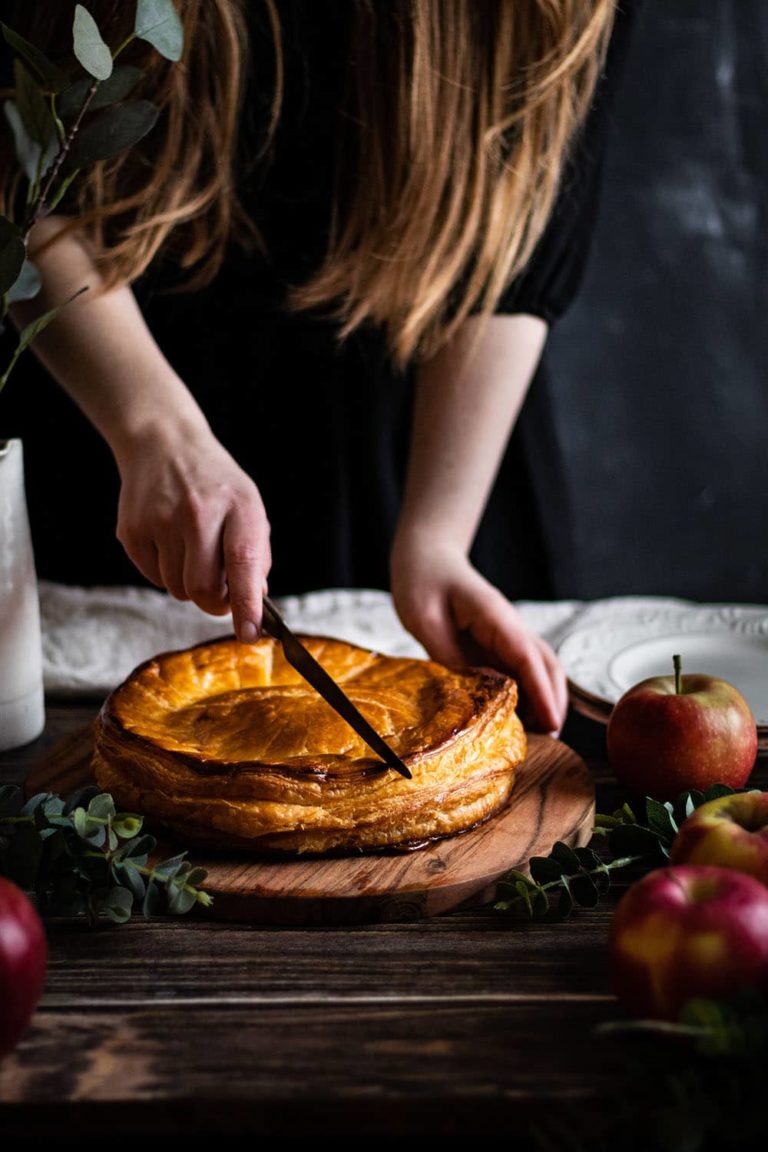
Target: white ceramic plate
pixel 603 657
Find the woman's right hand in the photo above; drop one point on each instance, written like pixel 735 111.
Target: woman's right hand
pixel 193 522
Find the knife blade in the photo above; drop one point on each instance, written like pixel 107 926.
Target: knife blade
pixel 313 672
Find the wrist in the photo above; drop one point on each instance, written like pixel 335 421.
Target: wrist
pixel 170 432
pixel 424 539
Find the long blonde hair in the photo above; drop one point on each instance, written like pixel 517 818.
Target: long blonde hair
pixel 462 117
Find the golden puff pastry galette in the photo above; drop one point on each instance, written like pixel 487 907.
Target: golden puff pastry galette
pixel 227 746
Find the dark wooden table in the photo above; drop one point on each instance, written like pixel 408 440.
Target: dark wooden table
pixel 466 1023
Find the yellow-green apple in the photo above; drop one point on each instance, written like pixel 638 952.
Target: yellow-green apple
pixel 668 734
pixel 731 831
pixel 23 963
pixel 688 930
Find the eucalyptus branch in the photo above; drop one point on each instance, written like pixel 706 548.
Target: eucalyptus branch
pixel 580 876
pixel 46 98
pixel 42 198
pixel 82 856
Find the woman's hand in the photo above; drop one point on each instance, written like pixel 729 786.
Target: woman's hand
pixel 194 523
pixel 462 619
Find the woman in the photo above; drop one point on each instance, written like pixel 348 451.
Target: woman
pixel 380 208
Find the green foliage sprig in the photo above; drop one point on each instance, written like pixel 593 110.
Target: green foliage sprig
pixel 62 123
pixel 580 876
pixel 81 856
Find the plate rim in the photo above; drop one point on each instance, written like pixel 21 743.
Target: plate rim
pixel 702 619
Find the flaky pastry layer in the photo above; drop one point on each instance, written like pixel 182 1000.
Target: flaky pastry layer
pixel 227 745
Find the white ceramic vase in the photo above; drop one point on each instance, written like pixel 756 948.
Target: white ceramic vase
pixel 22 707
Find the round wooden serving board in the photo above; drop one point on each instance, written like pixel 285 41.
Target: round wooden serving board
pixel 553 800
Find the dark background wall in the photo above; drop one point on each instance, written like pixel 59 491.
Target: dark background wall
pixel 659 371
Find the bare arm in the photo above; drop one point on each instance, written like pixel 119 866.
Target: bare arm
pixel 467 400
pixel 190 519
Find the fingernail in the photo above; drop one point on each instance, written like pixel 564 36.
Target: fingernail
pixel 555 734
pixel 249 633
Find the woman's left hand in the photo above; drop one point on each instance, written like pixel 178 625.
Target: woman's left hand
pixel 462 619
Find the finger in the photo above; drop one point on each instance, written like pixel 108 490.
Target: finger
pixel 514 647
pixel 558 679
pixel 170 559
pixel 437 631
pixel 539 699
pixel 144 556
pixel 246 562
pixel 203 574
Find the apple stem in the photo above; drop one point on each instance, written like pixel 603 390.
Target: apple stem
pixel 678 675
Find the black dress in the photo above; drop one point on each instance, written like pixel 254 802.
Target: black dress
pixel 321 427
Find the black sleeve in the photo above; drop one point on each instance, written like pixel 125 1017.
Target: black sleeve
pixel 549 282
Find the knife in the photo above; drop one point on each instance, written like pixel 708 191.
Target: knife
pixel 306 665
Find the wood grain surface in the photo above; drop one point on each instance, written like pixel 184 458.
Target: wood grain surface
pixel 553 800
pixel 471 1024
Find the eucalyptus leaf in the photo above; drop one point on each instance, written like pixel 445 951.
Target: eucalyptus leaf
pixel 685 803
pixel 127 826
pixel 138 850
pixel 117 905
pixel 102 807
pixel 158 23
pixel 545 870
pixel 55 850
pixel 153 902
pixel 34 802
pixel 119 85
pixel 511 877
pixel 660 819
pixel 88 45
pixel 54 78
pixel 634 840
pixel 565 856
pixel 168 868
pixel 523 892
pixel 61 191
pixel 95 834
pixel 81 798
pixel 27 285
pixel 31 331
pixel 196 876
pixel 716 791
pixel 28 152
pixel 180 900
pixel 565 902
pixel 111 132
pixel 125 872
pixel 584 890
pixel 35 113
pixel 52 805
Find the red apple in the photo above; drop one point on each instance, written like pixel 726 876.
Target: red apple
pixel 685 931
pixel 23 962
pixel 669 734
pixel 731 831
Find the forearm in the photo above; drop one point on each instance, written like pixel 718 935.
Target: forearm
pixel 467 400
pixel 101 352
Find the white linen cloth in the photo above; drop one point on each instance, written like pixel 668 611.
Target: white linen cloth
pixel 94 637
